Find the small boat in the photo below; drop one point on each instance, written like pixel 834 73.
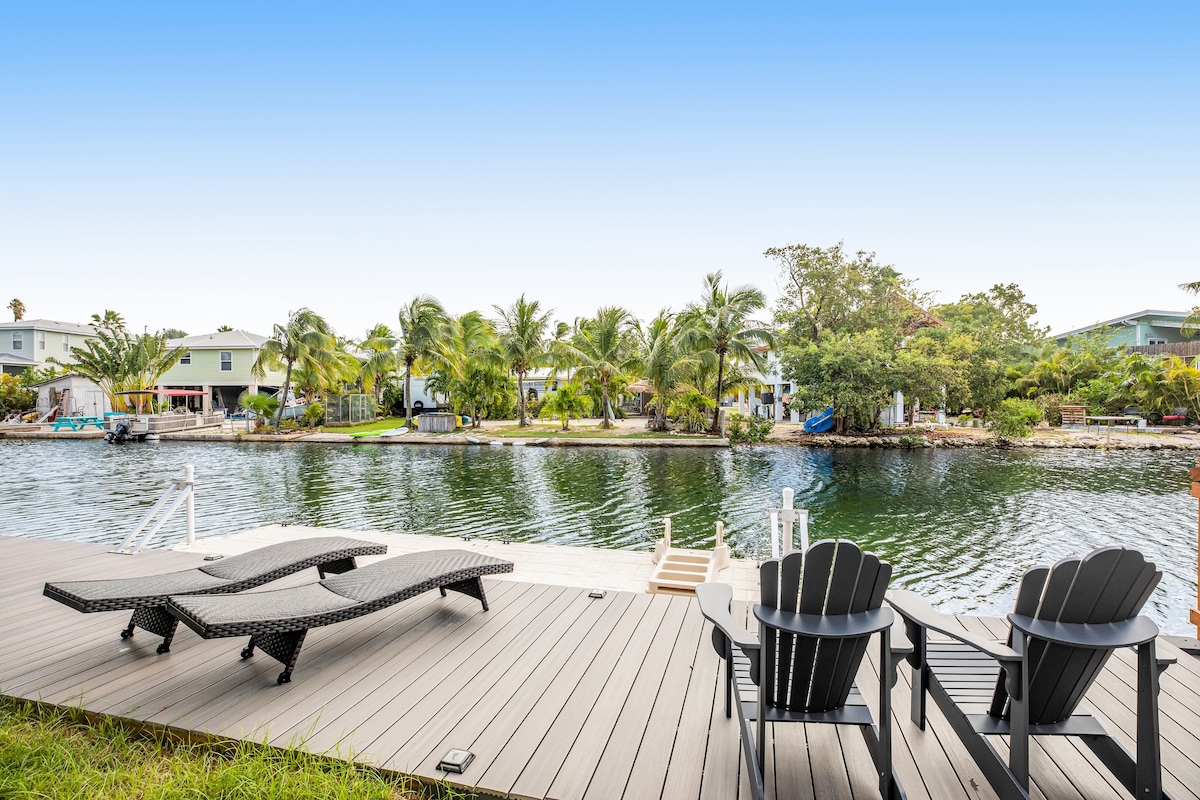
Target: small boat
pixel 392 432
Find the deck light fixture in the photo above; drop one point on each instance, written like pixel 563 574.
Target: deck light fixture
pixel 456 761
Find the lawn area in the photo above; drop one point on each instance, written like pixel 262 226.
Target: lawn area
pixel 578 431
pixel 49 753
pixel 385 424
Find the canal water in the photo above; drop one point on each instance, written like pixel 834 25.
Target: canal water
pixel 959 526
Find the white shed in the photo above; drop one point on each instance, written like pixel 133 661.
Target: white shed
pixel 83 397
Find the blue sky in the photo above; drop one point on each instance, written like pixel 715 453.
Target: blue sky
pixel 193 165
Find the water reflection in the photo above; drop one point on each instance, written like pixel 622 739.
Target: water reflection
pixel 958 525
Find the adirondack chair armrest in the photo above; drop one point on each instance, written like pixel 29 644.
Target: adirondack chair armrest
pixel 917 612
pixel 1097 636
pixel 715 599
pixel 823 626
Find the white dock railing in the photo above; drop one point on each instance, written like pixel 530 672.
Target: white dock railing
pixel 788 516
pixel 179 492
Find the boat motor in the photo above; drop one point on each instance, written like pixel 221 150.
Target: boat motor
pixel 122 432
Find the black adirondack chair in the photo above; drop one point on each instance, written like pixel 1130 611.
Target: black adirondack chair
pixel 818 611
pixel 1067 621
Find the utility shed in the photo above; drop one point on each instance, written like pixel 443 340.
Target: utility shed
pixel 83 397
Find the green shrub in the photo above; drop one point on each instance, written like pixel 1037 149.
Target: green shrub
pixel 1014 419
pixel 745 430
pixel 13 397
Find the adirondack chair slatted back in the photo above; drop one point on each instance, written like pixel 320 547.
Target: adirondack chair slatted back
pixel 1110 584
pixel 837 578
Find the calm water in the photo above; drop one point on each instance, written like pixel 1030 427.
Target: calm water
pixel 959 526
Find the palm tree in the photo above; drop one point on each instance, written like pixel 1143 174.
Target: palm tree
pixel 380 349
pixel 665 362
pixel 110 320
pixel 306 340
pixel 565 403
pixel 1192 323
pixel 720 324
pixel 605 349
pixel 18 309
pixel 118 362
pixel 420 339
pixel 521 340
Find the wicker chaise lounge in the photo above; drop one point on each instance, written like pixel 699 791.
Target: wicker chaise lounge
pixel 277 621
pixel 147 596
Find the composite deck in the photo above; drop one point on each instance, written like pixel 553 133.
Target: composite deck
pixel 558 695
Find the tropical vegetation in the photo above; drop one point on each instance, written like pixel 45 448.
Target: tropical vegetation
pixel 125 367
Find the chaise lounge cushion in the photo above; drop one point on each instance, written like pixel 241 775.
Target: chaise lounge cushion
pixel 232 574
pixel 335 599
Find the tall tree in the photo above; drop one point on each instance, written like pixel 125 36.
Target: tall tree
pixel 720 324
pixel 605 349
pixel 380 350
pixel 118 362
pixel 521 339
pixel 420 339
pixel 305 339
pixel 110 320
pixel 830 289
pixel 17 308
pixel 666 362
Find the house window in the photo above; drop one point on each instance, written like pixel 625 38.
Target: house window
pixel 66 343
pixel 226 361
pixel 42 340
pixel 186 358
pixel 1152 340
pixel 18 341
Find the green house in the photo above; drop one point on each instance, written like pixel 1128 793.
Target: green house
pixel 1138 330
pixel 219 364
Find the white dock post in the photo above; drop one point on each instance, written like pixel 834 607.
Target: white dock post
pixel 774 534
pixel 720 557
pixel 787 518
pixel 189 477
pixel 664 544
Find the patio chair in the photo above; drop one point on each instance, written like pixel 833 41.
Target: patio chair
pixel 1178 414
pixel 818 611
pixel 1066 623
pixel 277 621
pixel 147 596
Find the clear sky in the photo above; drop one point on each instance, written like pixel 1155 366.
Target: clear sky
pixel 198 164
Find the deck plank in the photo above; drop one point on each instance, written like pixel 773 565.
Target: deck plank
pixel 559 696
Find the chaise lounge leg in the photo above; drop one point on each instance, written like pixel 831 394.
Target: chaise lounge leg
pixel 472 587
pixel 157 621
pixel 284 647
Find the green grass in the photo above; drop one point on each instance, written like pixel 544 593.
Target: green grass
pixel 385 424
pixel 555 431
pixel 52 753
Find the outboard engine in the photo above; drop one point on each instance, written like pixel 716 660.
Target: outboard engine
pixel 120 432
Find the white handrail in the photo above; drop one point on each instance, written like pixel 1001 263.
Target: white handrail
pixel 179 491
pixel 788 516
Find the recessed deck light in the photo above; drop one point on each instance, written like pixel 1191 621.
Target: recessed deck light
pixel 456 761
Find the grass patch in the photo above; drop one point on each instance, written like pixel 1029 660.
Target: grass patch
pixel 385 424
pixel 582 432
pixel 53 753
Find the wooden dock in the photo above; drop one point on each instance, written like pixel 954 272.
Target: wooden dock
pixel 558 695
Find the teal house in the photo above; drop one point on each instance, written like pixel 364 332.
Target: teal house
pixel 1139 329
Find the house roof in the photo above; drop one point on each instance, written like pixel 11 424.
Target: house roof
pixel 12 358
pixel 222 340
pixel 1126 319
pixel 49 325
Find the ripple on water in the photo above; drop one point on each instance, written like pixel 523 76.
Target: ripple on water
pixel 959 526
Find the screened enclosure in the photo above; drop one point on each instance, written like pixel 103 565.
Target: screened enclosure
pixel 350 408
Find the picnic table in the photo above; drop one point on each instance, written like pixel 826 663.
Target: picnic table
pixel 77 424
pixel 1109 422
